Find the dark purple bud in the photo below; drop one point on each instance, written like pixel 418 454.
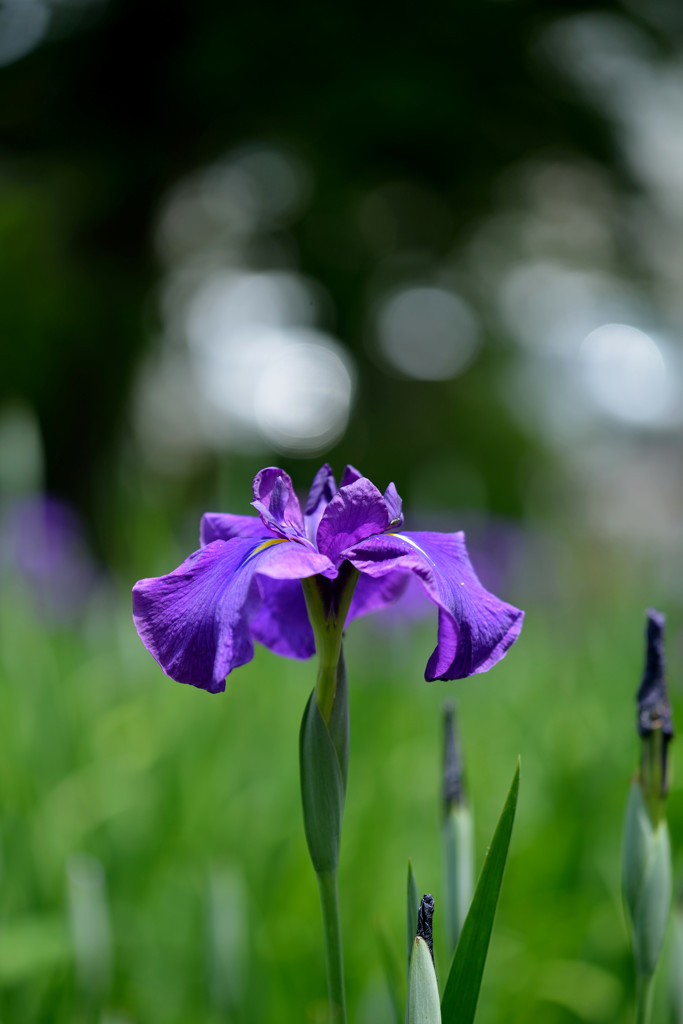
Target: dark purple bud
pixel 453 778
pixel 654 708
pixel 655 722
pixel 424 922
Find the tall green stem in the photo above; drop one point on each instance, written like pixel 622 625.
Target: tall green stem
pixel 328 605
pixel 324 753
pixel 643 998
pixel 329 902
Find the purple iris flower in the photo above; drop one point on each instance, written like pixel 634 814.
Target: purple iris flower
pixel 244 583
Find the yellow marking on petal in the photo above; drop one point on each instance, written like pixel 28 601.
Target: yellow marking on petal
pixel 266 544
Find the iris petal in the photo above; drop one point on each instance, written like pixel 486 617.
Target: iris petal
pixel 374 593
pixel 475 627
pixel 394 505
pixel 223 526
pixel 281 623
pixel 356 511
pixel 197 620
pixel 350 475
pixel 323 489
pixel 276 502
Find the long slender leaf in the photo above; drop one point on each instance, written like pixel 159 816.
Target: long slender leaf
pixel 412 904
pixel 322 789
pixel 393 974
pixel 461 993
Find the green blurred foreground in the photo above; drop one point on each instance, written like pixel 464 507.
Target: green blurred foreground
pixel 153 865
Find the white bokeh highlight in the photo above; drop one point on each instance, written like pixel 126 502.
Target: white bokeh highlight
pixel 625 373
pixel 427 333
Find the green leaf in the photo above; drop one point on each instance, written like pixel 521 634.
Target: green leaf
pixel 654 903
pixel 461 993
pixel 322 789
pixel 638 834
pixel 339 719
pixel 393 974
pixel 647 883
pixel 423 992
pixel 413 903
pixel 674 973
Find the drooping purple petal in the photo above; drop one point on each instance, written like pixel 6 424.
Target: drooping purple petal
pixel 374 593
pixel 394 505
pixel 475 627
pixel 276 502
pixel 223 526
pixel 281 623
pixel 196 620
pixel 356 511
pixel 323 489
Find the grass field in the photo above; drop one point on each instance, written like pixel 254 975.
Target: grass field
pixel 153 867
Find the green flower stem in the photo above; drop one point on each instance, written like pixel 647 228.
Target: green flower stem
pixel 328 604
pixel 329 901
pixel 643 998
pixel 458 844
pixel 325 749
pixel 652 775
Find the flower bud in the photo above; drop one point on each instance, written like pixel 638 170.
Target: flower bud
pixel 423 1005
pixel 655 724
pixel 646 849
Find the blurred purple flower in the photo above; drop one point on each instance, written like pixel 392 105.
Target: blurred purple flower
pixel 200 621
pixel 42 541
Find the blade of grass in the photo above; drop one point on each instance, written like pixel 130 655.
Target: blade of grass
pixel 412 903
pixel 393 974
pixel 461 993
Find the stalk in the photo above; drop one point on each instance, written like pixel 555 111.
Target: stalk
pixel 324 754
pixel 643 998
pixel 334 961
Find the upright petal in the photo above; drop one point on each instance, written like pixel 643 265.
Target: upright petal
pixel 475 627
pixel 356 511
pixel 350 475
pixel 277 504
pixel 196 621
pixel 323 489
pixel 394 506
pixel 224 526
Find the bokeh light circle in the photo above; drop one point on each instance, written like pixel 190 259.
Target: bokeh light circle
pixel 302 399
pixel 427 333
pixel 625 373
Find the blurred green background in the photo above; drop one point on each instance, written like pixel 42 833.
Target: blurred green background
pixel 444 244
